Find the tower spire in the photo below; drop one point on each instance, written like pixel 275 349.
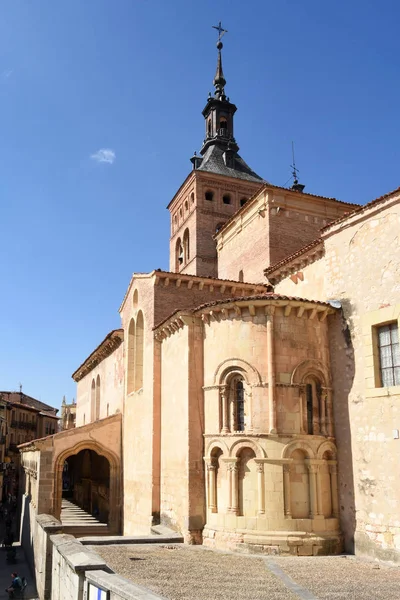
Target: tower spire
pixel 219 79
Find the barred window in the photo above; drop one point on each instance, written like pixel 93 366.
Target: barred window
pixel 389 354
pixel 239 406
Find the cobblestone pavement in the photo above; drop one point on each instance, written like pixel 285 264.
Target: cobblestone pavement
pixel 195 573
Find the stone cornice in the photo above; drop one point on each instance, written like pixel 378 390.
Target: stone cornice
pixel 293 264
pixel 110 343
pixel 254 306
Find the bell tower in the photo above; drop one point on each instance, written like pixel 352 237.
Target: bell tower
pixel 219 185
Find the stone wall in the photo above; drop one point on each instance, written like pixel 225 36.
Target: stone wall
pixel 111 373
pixel 273 225
pixel 361 269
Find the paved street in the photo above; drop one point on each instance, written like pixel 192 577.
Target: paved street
pixel 195 573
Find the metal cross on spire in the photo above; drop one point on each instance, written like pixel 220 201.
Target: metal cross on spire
pixel 220 30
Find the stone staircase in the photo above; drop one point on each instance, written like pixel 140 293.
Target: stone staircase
pixel 79 523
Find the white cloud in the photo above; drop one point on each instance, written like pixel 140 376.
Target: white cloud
pixel 7 73
pixel 104 155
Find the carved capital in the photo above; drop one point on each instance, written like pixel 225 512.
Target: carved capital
pixel 333 469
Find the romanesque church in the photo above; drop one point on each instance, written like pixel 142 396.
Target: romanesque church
pixel 250 399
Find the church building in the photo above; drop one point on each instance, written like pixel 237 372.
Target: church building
pixel 250 398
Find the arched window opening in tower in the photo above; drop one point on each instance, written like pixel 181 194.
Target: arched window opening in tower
pixel 178 254
pixel 209 127
pixel 223 123
pixel 243 201
pixel 240 278
pixel 186 247
pixel 209 196
pixel 192 197
pixel 226 199
pixel 186 205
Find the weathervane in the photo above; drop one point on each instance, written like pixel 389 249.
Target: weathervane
pixel 220 30
pixel 295 170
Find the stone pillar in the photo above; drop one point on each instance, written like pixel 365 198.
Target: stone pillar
pixel 302 410
pixel 319 490
pixel 233 489
pixel 271 374
pixel 261 488
pixel 334 490
pixel 329 413
pixel 323 412
pixel 224 402
pixel 316 410
pixel 286 490
pixel 312 490
pixel 232 416
pixel 212 487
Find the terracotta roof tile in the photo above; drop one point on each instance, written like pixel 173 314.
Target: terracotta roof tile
pixel 291 257
pixel 108 345
pixel 361 209
pixel 266 296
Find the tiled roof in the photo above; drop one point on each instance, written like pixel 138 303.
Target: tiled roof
pixel 293 256
pixel 361 209
pixel 104 349
pixel 184 276
pixel 266 296
pixel 24 399
pixel 213 162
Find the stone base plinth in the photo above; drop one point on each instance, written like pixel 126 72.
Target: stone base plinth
pixel 280 543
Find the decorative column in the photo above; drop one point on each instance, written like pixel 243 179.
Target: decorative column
pixel 260 488
pixel 271 372
pixel 302 412
pixel 312 490
pixel 286 490
pixel 212 487
pixel 329 413
pixel 316 401
pixel 323 412
pixel 319 490
pixel 233 489
pixel 224 402
pixel 334 489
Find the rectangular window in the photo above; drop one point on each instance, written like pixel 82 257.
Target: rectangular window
pixel 389 354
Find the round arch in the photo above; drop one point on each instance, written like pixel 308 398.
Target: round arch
pixel 309 368
pixel 297 445
pixel 241 367
pixel 216 443
pixel 246 443
pixel 115 480
pixel 326 446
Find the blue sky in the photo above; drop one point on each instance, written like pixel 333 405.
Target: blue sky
pixel 132 77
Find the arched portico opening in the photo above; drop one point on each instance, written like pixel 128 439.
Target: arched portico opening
pixel 89 476
pixel 86 482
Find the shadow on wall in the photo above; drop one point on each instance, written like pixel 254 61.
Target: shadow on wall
pixel 26 535
pixel 343 370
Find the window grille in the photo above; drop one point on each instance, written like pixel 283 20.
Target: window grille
pixel 389 354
